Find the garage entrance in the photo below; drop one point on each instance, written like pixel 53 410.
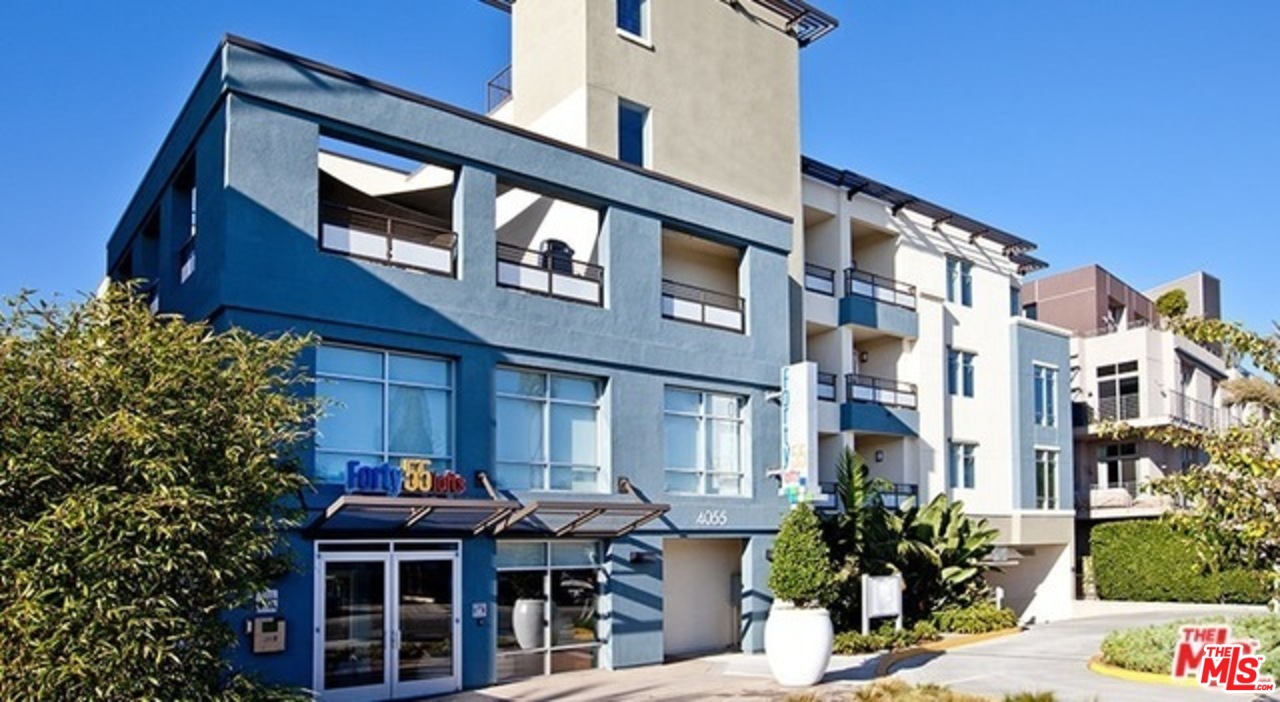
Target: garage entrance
pixel 701 596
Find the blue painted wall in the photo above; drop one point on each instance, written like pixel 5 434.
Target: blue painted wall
pixel 874 314
pixel 1035 345
pixel 253 125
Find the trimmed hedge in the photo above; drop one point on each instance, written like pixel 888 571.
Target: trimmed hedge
pixel 886 638
pixel 978 619
pixel 1147 560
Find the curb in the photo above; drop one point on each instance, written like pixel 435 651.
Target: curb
pixel 893 658
pixel 1098 666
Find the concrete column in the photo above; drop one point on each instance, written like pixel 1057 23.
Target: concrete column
pixel 474 218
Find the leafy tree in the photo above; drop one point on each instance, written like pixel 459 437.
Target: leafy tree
pixel 1231 500
pixel 801 572
pixel 1172 303
pixel 143 475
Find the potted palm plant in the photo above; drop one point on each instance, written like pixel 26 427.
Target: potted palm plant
pixel 798 633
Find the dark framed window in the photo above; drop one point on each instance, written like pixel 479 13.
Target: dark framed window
pixel 633 133
pixel 633 17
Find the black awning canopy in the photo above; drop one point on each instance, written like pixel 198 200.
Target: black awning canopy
pixel 404 513
pixel 599 519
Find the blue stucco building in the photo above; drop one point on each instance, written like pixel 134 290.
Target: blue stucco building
pixel 607 417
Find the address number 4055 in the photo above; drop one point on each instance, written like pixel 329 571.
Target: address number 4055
pixel 712 517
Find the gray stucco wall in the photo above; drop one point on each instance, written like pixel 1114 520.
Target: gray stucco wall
pixel 1031 346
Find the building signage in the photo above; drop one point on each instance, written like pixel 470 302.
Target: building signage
pixel 799 431
pixel 411 476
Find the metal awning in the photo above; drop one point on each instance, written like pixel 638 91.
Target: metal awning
pixel 596 518
pixel 602 517
pixel 400 514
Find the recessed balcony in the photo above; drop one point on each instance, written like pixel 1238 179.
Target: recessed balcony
pixel 880 406
pixel 551 271
pixel 878 303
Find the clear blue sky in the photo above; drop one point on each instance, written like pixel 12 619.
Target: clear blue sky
pixel 1144 135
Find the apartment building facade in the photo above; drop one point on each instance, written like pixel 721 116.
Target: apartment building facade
pixel 929 371
pixel 1125 367
pixel 551 335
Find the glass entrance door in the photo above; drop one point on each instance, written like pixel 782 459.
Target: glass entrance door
pixel 387 624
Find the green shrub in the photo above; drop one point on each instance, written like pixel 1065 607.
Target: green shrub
pixel 978 619
pixel 1172 304
pixel 1149 649
pixel 886 638
pixel 801 572
pixel 1147 560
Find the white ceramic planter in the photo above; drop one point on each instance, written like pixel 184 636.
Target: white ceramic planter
pixel 797 644
pixel 528 619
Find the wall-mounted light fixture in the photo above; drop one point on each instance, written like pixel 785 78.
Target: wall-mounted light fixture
pixel 879 456
pixel 863 356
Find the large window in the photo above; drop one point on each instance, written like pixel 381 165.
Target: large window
pixel 548 431
pixel 1118 391
pixel 1046 384
pixel 633 133
pixel 703 434
pixel 1046 479
pixel 960 465
pixel 384 407
pixel 1118 467
pixel 633 17
pixel 960 372
pixel 959 281
pixel 548 616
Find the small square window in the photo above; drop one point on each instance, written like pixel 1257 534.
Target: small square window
pixel 633 17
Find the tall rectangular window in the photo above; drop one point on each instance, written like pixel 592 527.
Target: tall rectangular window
pixel 384 407
pixel 1118 391
pixel 1046 387
pixel 960 465
pixel 185 185
pixel 1046 479
pixel 1015 302
pixel 703 434
pixel 633 133
pixel 633 17
pixel 960 373
pixel 548 429
pixel 959 281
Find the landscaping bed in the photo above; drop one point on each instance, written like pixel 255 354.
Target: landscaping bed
pixel 1150 649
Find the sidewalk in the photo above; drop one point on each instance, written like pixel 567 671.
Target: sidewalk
pixel 730 676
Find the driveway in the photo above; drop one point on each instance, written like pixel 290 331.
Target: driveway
pixel 1053 658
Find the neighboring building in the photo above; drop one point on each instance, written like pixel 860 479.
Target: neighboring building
pixel 1125 367
pixel 552 335
pixel 930 373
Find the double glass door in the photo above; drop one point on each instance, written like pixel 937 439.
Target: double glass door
pixel 387 624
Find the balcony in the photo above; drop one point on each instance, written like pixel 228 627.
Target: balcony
pixel 1193 412
pixel 385 239
pixel 1120 500
pixel 879 303
pixel 552 272
pixel 897 497
pixel 689 303
pixel 880 406
pixel 827 386
pixel 819 279
pixel 498 90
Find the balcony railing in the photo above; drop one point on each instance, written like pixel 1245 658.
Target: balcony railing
pixel 901 492
pixel 881 391
pixel 879 288
pixel 1125 495
pixel 1118 408
pixel 826 386
pixel 1196 412
pixel 551 274
pixel 690 303
pixel 819 279
pixel 377 237
pixel 498 90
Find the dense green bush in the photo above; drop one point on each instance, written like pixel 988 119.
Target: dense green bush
pixel 1148 560
pixel 978 619
pixel 1149 649
pixel 801 572
pixel 886 638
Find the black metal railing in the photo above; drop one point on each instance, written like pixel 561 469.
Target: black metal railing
pixel 879 288
pixel 498 90
pixel 880 391
pixel 819 279
pixel 550 273
pixel 385 239
pixel 827 386
pixel 690 303
pixel 899 494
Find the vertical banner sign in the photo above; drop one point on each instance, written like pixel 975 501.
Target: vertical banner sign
pixel 799 432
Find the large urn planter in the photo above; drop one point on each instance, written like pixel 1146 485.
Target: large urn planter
pixel 528 619
pixel 797 644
